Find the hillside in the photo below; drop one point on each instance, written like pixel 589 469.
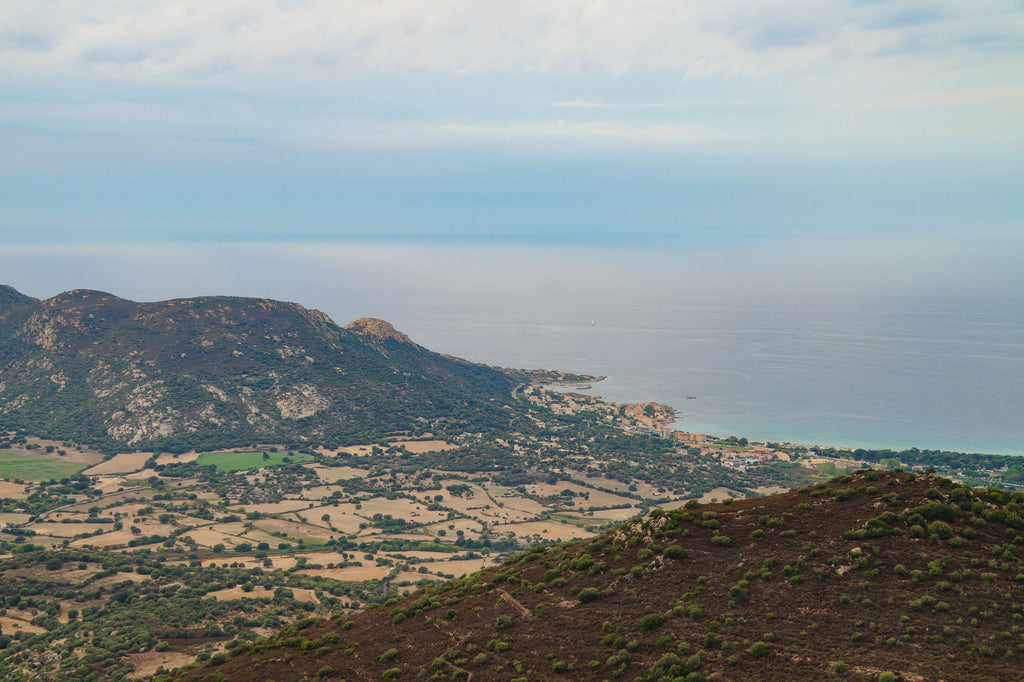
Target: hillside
pixel 214 372
pixel 871 576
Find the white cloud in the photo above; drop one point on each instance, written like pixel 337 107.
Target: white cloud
pixel 191 38
pixel 592 104
pixel 789 75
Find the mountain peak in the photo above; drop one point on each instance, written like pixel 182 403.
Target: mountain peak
pixel 79 296
pixel 11 296
pixel 378 329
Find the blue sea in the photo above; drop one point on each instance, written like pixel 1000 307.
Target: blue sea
pixel 866 342
pixel 873 379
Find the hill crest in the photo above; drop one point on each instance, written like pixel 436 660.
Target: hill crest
pixel 218 371
pixel 871 576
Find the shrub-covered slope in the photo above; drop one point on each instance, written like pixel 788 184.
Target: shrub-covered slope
pixel 221 371
pixel 872 576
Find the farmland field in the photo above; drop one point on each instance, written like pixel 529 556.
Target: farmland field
pixel 31 467
pixel 237 461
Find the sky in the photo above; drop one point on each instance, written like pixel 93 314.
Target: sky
pixel 575 122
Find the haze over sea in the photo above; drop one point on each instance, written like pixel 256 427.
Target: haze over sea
pixel 837 342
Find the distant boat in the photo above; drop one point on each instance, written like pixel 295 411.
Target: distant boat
pixel 691 397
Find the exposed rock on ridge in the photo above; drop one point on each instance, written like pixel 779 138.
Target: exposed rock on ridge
pixel 379 329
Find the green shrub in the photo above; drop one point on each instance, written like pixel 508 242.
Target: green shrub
pixel 497 646
pixel 388 655
pixel 672 667
pixel 674 552
pixel 588 594
pixel 392 673
pixel 652 621
pixel 739 593
pixel 941 529
pixel 582 562
pixel 503 622
pixel 758 649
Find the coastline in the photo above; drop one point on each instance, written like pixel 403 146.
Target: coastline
pixel 569 383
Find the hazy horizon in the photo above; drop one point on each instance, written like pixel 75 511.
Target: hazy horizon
pixel 482 161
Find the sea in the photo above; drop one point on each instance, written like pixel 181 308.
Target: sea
pixel 873 343
pixel 846 377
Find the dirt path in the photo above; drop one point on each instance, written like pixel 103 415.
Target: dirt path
pixel 527 613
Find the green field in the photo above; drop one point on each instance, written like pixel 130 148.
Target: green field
pixel 30 467
pixel 237 461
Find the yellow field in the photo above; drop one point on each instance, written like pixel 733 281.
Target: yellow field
pixel 294 530
pixel 68 530
pixel 546 530
pixel 274 507
pixel 146 664
pixel 400 509
pixel 168 458
pixel 367 572
pixel 13 518
pixel 15 491
pixel 334 474
pixel 343 517
pixel 11 625
pixel 459 567
pixel 210 537
pixel 123 463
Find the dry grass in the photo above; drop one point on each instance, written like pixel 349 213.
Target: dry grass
pixel 368 572
pixel 146 664
pixel 123 463
pixel 335 474
pixel 11 625
pixel 168 458
pixel 548 530
pixel 281 507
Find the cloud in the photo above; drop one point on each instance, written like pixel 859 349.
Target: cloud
pixel 158 39
pixel 348 132
pixel 590 104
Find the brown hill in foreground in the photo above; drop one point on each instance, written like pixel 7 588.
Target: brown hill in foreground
pixel 872 576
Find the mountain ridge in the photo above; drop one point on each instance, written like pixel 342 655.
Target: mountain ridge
pixel 222 371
